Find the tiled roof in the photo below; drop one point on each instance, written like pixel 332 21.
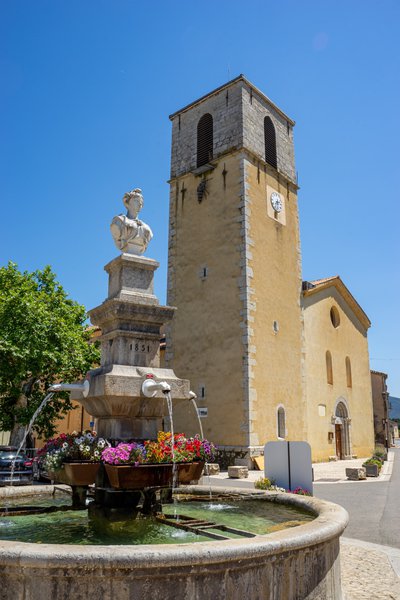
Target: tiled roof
pixel 312 287
pixel 318 281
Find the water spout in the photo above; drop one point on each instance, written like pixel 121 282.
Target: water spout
pixel 71 387
pixel 151 387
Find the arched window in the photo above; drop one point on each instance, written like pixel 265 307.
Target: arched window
pixel 348 372
pixel 335 317
pixel 281 422
pixel 329 370
pixel 205 140
pixel 270 142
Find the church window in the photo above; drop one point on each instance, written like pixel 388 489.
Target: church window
pixel 205 141
pixel 281 417
pixel 335 317
pixel 203 273
pixel 329 370
pixel 270 142
pixel 348 372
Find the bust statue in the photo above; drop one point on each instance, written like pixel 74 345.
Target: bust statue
pixel 130 234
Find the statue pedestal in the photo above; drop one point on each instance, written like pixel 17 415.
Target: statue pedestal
pixel 130 320
pixel 131 278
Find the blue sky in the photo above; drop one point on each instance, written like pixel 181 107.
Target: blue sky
pixel 85 92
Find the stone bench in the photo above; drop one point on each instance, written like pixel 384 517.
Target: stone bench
pixel 356 474
pixel 238 472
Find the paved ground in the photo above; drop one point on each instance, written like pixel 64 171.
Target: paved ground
pixel 370 571
pixel 370 550
pixel 373 506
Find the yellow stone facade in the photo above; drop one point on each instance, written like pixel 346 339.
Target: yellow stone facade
pixel 339 406
pixel 252 344
pixel 235 276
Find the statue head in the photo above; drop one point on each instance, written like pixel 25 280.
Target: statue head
pixel 133 202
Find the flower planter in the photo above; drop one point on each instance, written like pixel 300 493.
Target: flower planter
pixel 371 470
pixel 76 473
pixel 157 475
pixel 189 472
pixel 130 477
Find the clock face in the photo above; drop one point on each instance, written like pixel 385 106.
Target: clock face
pixel 276 202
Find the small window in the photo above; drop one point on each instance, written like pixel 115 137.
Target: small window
pixel 205 143
pixel 281 422
pixel 270 142
pixel 203 272
pixel 348 372
pixel 329 370
pixel 335 317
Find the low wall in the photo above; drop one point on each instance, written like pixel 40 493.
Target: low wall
pixel 298 563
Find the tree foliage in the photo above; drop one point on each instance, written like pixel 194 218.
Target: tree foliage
pixel 43 339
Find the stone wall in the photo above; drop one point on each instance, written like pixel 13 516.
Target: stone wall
pixel 238 112
pixel 226 110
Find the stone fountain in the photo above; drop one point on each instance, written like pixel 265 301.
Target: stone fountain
pixel 126 395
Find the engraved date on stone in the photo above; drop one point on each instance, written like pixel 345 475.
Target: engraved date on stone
pixel 140 346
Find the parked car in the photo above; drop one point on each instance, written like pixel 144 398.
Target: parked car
pixel 19 474
pixel 39 472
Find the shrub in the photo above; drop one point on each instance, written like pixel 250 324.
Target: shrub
pixel 263 483
pixel 267 484
pixel 380 452
pixel 374 461
pixel 301 492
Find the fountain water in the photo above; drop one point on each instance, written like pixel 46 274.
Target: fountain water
pixel 28 430
pixel 126 395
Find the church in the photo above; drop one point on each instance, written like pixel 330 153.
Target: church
pixel 269 356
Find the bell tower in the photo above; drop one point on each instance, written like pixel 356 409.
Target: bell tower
pixel 234 269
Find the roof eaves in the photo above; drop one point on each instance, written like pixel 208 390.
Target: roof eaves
pixel 219 89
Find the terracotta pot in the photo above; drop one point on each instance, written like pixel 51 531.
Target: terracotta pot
pixel 76 473
pixel 130 477
pixel 189 472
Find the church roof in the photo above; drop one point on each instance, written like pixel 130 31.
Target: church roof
pixel 313 287
pixel 229 84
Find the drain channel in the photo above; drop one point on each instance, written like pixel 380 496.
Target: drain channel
pixel 202 527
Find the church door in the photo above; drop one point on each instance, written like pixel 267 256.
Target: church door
pixel 338 437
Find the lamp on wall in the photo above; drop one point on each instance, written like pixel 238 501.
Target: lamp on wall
pixel 330 436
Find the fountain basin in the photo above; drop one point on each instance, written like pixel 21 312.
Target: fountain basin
pixel 302 562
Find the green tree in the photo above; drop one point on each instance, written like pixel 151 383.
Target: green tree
pixel 43 339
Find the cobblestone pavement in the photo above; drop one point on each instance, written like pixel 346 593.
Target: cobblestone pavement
pixel 369 571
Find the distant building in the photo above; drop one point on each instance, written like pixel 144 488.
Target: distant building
pixel 380 399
